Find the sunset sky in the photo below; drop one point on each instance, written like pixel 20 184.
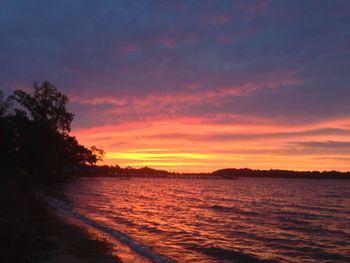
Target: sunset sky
pixel 192 85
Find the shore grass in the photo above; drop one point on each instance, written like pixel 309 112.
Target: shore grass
pixel 31 233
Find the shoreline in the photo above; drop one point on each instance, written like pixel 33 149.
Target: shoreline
pixel 124 247
pixel 32 232
pixel 69 243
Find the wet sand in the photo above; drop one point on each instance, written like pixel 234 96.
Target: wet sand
pixel 30 232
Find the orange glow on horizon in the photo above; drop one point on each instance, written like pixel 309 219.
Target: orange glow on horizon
pixel 193 145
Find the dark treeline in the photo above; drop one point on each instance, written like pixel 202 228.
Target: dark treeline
pixel 117 171
pixel 34 134
pixel 37 152
pixel 229 173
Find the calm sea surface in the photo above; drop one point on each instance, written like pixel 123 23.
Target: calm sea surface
pixel 289 220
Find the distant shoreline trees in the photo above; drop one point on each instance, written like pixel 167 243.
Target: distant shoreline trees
pixel 35 136
pixel 34 132
pixel 228 173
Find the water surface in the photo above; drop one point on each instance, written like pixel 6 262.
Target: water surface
pixel 243 220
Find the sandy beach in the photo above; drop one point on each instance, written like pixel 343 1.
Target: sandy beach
pixel 32 233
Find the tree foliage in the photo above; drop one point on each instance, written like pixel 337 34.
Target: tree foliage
pixel 35 132
pixel 47 106
pixel 4 104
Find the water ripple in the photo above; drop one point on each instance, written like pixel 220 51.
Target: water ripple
pixel 246 220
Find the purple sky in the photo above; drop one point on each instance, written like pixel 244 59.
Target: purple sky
pixel 281 66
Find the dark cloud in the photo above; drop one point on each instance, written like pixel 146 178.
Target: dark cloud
pixel 291 59
pixel 326 144
pixel 265 135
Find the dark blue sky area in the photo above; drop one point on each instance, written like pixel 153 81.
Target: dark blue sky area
pixel 288 58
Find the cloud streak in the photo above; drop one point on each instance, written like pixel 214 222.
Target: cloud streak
pixel 245 83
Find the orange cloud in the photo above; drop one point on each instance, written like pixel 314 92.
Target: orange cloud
pixel 193 144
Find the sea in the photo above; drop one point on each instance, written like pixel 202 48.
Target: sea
pixel 203 220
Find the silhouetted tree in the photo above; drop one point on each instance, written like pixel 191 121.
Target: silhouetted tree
pixel 4 105
pixel 35 135
pixel 47 106
pixel 6 133
pixel 79 155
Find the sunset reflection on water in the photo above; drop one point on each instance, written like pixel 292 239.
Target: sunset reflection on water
pixel 223 220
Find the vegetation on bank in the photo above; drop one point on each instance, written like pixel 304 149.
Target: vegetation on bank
pixel 274 173
pixel 37 152
pixel 35 134
pixel 229 173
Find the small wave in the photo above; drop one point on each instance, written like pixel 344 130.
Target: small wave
pixel 225 254
pixel 317 230
pixel 230 209
pixel 331 256
pixel 222 208
pixel 134 245
pixel 301 215
pixel 315 208
pixel 285 219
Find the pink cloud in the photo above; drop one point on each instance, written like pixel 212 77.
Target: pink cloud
pixel 253 8
pixel 98 100
pixel 193 95
pixel 193 86
pixel 126 47
pixel 216 19
pixel 164 105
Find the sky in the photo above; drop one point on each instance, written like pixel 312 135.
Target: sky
pixel 192 86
